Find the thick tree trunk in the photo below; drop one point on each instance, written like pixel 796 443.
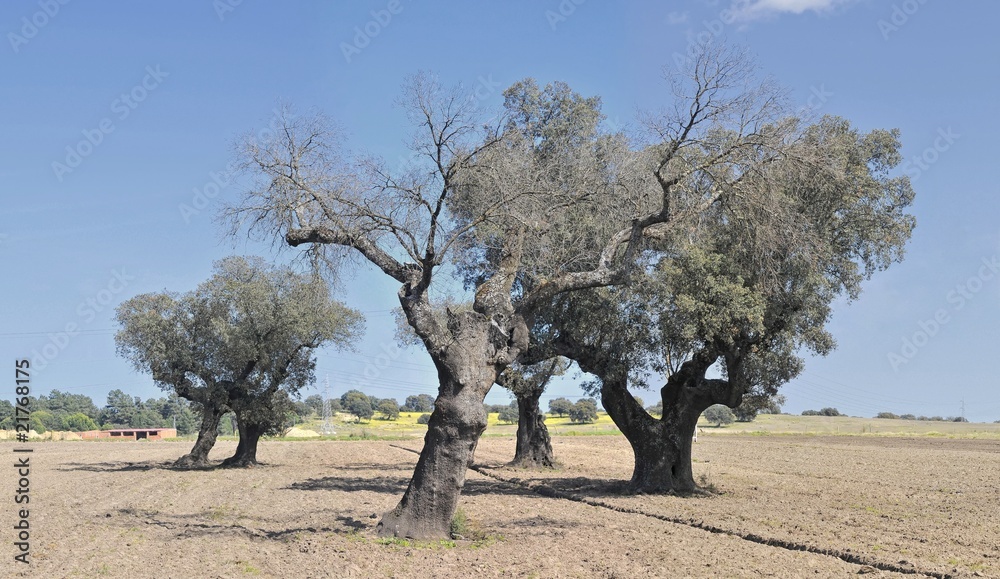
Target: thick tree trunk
pixel 246 450
pixel 663 458
pixel 457 422
pixel 207 434
pixel 661 448
pixel 534 446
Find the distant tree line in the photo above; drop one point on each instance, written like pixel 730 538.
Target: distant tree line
pixel 822 412
pixel 890 415
pixel 63 411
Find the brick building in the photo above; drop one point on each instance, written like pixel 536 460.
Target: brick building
pixel 131 434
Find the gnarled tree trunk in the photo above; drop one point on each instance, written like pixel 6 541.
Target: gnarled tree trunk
pixel 246 450
pixel 662 447
pixel 207 434
pixel 534 446
pixel 430 501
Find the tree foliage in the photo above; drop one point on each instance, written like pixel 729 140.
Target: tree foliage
pixel 560 406
pixel 419 403
pixel 585 410
pixel 357 403
pixel 508 414
pixel 248 331
pixel 719 414
pixel 388 408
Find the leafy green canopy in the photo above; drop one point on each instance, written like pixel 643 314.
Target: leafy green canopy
pixel 752 282
pixel 249 330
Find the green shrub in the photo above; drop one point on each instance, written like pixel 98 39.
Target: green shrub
pixel 423 418
pixel 508 414
pixel 719 414
pixel 585 410
pixel 79 421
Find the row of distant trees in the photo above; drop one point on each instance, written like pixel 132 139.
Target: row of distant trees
pixel 77 412
pixel 887 415
pixel 365 407
pixel 582 411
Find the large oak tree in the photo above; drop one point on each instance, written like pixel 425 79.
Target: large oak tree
pixel 244 334
pixel 725 309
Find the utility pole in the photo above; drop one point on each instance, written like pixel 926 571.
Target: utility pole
pixel 327 418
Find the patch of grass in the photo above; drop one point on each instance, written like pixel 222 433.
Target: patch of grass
pixel 707 485
pixel 395 541
pixel 460 526
pixel 249 569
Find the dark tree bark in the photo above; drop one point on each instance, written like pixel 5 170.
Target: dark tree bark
pixel 661 447
pixel 246 450
pixel 534 446
pixel 207 434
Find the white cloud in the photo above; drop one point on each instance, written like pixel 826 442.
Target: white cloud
pixel 758 8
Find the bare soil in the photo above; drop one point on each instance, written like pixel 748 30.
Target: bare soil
pixel 117 510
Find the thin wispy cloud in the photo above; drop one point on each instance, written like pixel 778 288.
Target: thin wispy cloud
pixel 762 8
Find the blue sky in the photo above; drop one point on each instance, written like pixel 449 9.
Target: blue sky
pixel 117 115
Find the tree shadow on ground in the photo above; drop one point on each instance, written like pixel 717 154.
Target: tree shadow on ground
pixel 202 525
pixel 596 488
pixel 120 466
pixel 396 486
pixel 148 465
pixel 372 466
pixel 384 485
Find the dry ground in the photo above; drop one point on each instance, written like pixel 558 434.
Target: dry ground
pixel 113 510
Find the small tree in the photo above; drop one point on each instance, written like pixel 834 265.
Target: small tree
pixel 315 403
pixel 50 420
pixel 424 418
pixel 358 404
pixel 248 331
pixel 560 406
pixel 78 422
pixel 585 410
pixel 419 403
pixel 388 408
pixel 719 414
pixel 887 415
pixel 6 415
pixel 508 414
